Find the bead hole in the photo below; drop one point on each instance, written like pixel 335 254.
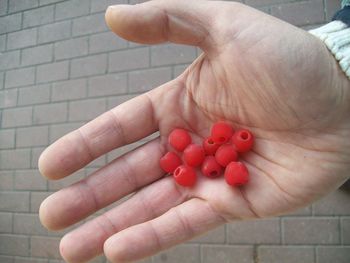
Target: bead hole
pixel 244 136
pixel 177 171
pixel 213 173
pixel 210 141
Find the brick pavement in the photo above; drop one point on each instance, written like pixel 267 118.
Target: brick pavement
pixel 60 67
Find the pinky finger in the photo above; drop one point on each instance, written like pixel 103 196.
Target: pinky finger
pixel 181 223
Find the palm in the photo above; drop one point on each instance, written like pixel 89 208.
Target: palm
pixel 290 105
pixel 280 112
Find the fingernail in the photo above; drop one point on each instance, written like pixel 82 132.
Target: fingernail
pixel 111 7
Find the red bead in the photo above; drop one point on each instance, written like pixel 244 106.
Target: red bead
pixel 179 139
pixel 210 146
pixel 226 154
pixel 185 175
pixel 221 132
pixel 170 161
pixel 236 174
pixel 211 168
pixel 194 155
pixel 243 140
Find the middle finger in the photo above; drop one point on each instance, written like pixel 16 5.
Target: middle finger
pixel 117 179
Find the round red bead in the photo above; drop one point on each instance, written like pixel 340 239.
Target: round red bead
pixel 226 154
pixel 236 174
pixel 210 146
pixel 210 167
pixel 179 139
pixel 185 175
pixel 170 161
pixel 221 132
pixel 194 155
pixel 243 140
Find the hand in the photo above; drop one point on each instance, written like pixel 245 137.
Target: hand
pixel 256 72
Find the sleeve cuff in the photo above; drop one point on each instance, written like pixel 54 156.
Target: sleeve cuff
pixel 336 36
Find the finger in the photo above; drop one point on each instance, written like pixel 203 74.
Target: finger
pixel 180 21
pixel 122 125
pixel 87 241
pixel 110 183
pixel 179 224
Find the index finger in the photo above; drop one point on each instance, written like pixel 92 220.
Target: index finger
pixel 126 123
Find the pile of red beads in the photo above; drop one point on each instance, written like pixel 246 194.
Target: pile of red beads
pixel 219 152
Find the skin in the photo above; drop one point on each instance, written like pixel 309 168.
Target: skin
pixel 255 72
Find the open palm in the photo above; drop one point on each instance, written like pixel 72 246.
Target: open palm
pixel 256 72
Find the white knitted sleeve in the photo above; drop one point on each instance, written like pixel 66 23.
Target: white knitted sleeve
pixel 345 3
pixel 336 36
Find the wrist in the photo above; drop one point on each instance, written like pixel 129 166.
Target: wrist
pixel 336 36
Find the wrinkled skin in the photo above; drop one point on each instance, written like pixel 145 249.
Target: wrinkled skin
pixel 255 72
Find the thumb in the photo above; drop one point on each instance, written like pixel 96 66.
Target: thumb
pixel 153 22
